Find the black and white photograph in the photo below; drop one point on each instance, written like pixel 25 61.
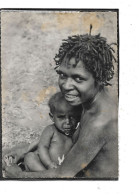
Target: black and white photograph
pixel 60 94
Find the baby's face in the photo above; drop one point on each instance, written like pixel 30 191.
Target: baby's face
pixel 65 119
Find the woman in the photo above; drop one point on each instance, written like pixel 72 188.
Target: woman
pixel 85 67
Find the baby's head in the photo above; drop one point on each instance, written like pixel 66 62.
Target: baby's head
pixel 64 116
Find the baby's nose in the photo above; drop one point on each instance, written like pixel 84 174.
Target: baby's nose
pixel 67 120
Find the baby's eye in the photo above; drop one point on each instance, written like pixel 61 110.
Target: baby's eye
pixel 72 118
pixel 61 116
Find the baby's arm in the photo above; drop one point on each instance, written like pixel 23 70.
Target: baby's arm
pixel 43 147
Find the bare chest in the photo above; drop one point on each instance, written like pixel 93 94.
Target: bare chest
pixel 59 146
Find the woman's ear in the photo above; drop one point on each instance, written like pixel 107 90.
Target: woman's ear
pixel 99 85
pixel 51 116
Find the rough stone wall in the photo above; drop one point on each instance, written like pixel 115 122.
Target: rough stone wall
pixel 29 42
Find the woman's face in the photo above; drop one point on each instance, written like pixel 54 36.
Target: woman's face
pixel 76 83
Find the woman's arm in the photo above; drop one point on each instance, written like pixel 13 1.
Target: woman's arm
pixel 82 153
pixel 14 172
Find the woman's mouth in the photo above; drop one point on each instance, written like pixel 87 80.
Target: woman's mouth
pixel 70 97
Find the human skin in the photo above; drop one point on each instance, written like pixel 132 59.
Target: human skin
pixel 53 145
pixel 65 117
pixel 55 140
pixel 95 151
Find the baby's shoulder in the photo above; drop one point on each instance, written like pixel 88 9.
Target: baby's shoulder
pixel 49 129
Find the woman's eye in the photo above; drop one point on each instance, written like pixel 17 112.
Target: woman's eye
pixel 62 76
pixel 78 79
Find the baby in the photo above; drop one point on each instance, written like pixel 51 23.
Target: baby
pixel 56 139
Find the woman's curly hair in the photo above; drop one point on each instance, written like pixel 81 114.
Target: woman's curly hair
pixel 94 51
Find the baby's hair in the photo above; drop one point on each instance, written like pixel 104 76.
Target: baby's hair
pixel 54 101
pixel 57 99
pixel 94 51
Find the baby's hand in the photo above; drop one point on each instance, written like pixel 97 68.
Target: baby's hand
pixel 53 165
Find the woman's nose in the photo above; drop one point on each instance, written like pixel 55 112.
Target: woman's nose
pixel 67 85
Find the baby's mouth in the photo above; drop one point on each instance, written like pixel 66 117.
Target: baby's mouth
pixel 67 131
